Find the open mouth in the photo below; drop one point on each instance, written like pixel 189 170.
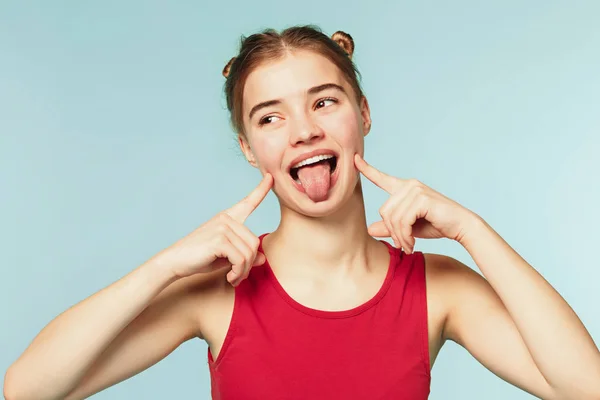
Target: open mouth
pixel 324 159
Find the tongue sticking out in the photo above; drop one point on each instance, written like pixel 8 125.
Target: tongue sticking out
pixel 316 180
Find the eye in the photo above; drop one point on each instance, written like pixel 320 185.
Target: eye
pixel 324 102
pixel 267 120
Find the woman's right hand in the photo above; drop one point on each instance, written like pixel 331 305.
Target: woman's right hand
pixel 222 242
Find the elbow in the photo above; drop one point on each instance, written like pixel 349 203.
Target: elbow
pixel 18 386
pixel 16 389
pixel 13 389
pixel 9 390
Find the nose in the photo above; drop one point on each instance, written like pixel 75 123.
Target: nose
pixel 305 131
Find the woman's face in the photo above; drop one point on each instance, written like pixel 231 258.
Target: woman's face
pixel 293 109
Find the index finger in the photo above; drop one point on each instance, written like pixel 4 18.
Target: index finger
pixel 381 179
pixel 246 206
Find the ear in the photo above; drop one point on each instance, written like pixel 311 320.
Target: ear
pixel 365 113
pixel 245 146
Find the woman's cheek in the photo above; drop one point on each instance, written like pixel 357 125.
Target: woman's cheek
pixel 347 131
pixel 270 156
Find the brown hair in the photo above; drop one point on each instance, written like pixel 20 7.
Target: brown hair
pixel 270 45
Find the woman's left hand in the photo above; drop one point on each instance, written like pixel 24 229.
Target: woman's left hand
pixel 414 210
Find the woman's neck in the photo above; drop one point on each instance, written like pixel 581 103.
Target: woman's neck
pixel 337 243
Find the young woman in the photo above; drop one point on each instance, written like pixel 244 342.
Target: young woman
pixel 318 308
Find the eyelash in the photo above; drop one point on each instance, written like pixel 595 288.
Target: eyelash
pixel 262 120
pixel 328 98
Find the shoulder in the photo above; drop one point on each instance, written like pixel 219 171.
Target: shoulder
pixel 448 277
pixel 453 288
pixel 450 285
pixel 440 267
pixel 447 273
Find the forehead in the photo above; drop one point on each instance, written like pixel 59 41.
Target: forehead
pixel 290 76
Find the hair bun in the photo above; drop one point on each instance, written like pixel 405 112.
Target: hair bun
pixel 228 67
pixel 345 41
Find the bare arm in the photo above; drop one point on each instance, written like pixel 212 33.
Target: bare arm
pixel 67 347
pixel 477 320
pixel 115 334
pixel 171 318
pixel 517 325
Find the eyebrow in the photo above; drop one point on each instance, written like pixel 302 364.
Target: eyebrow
pixel 312 90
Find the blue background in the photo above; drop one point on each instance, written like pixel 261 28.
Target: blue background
pixel 115 142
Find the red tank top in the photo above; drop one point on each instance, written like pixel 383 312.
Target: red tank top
pixel 276 348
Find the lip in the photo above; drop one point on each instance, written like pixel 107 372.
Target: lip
pixel 334 176
pixel 304 156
